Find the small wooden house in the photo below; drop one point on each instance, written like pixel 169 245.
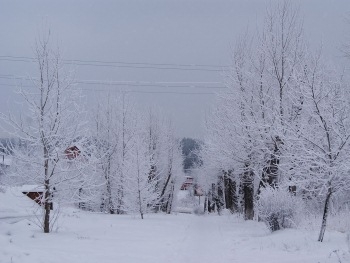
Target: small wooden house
pixel 72 152
pixel 188 183
pixel 36 194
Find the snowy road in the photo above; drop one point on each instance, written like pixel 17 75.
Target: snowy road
pixel 203 241
pixel 183 238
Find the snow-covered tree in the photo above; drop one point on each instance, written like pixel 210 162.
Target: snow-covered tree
pixel 49 124
pixel 115 129
pixel 318 160
pixel 139 186
pixel 248 125
pixel 123 138
pixel 165 158
pixel 172 170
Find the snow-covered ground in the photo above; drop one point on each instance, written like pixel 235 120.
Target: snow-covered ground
pixel 14 205
pixel 95 237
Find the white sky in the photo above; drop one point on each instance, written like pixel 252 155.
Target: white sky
pixel 191 32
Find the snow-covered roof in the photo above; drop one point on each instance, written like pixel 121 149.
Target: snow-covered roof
pixel 5 160
pixel 14 204
pixel 31 188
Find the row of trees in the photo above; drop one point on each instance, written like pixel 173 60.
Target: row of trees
pixel 111 158
pixel 283 122
pixel 143 145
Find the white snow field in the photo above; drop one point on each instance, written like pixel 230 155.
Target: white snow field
pixel 179 238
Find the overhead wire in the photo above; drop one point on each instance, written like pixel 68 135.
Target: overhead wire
pixel 123 64
pixel 127 84
pixel 116 62
pixel 125 91
pixel 183 84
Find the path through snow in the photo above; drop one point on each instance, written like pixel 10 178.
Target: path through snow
pixel 204 241
pixel 183 238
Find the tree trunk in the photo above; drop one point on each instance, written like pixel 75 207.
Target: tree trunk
pixel 170 200
pixel 248 195
pixel 162 204
pixel 221 202
pixel 120 194
pixel 325 215
pixel 248 192
pixel 140 204
pixel 109 197
pixel 109 187
pixel 230 195
pixel 47 206
pixel 212 199
pixel 210 206
pixel 270 172
pixel 47 194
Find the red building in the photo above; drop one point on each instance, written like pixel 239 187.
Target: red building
pixel 72 152
pixel 188 183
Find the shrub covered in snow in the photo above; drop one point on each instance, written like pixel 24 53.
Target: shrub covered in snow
pixel 278 208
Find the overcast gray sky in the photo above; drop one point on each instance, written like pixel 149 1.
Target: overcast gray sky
pixel 175 32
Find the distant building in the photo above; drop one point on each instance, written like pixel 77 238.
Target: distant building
pixel 5 163
pixel 187 184
pixel 36 193
pixel 72 152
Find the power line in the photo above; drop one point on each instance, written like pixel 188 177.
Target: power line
pixel 126 91
pixel 123 64
pixel 128 63
pixel 135 84
pixel 201 85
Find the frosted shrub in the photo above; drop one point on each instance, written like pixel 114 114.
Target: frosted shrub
pixel 278 208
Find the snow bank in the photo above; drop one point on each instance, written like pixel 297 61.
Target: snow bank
pixel 14 204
